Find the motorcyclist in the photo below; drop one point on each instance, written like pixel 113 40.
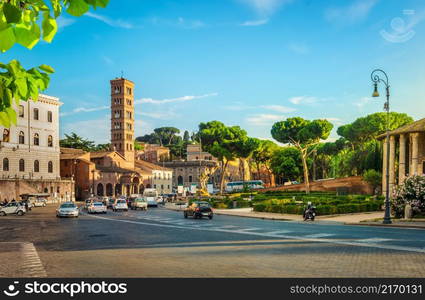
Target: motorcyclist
pixel 309 212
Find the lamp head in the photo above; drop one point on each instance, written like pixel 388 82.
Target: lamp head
pixel 375 91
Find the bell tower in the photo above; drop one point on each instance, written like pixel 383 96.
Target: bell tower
pixel 122 117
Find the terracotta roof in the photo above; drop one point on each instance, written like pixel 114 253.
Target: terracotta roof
pixel 148 165
pixel 417 126
pixel 100 154
pixel 71 150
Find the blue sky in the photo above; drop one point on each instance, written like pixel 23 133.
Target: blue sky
pixel 243 62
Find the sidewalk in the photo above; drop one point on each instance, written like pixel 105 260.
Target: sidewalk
pixel 364 219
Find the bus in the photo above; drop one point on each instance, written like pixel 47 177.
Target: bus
pixel 239 185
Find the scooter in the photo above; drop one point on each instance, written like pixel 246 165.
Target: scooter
pixel 310 213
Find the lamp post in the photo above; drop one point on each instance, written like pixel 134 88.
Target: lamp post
pixel 379 76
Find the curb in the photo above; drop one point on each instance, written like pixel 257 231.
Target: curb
pixel 388 225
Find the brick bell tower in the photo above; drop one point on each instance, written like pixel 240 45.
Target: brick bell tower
pixel 122 117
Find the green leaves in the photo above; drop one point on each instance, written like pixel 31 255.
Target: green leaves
pixel 7 39
pixel 18 84
pixel 49 26
pixel 77 8
pixel 12 13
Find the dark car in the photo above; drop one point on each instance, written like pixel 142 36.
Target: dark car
pixel 199 209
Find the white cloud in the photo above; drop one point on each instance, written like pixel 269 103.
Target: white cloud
pixel 362 102
pixel 158 115
pixel 263 119
pixel 111 22
pixel 63 22
pixel 351 13
pixel 99 129
pixel 336 121
pixel 174 100
pixel 303 100
pixel 298 48
pixel 278 108
pixel 255 22
pixel 265 7
pixel 83 110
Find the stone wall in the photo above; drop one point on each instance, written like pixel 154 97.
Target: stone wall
pixel 352 185
pixel 12 188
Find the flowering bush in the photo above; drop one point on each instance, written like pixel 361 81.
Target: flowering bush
pixel 411 192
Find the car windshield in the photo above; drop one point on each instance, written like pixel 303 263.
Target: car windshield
pixel 121 201
pixel 204 204
pixel 68 205
pixel 98 204
pixel 140 200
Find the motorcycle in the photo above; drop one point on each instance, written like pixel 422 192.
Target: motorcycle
pixel 310 213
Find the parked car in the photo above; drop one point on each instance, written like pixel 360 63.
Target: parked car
pixel 139 203
pixel 199 209
pixel 97 208
pixel 67 209
pixel 12 208
pixel 87 203
pixel 39 202
pixel 120 204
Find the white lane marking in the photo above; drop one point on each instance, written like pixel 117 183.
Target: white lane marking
pixel 373 240
pixel 278 233
pixel 248 229
pixel 318 235
pixel 265 234
pixel 32 266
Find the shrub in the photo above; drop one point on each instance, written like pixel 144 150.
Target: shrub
pixel 411 192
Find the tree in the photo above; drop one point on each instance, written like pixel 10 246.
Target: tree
pixel 374 178
pixel 101 147
pixel 138 146
pixel 186 137
pixel 302 134
pixel 222 142
pixel 76 142
pixel 166 135
pixel 262 156
pixel 245 147
pixel 151 138
pixel 20 22
pixel 286 163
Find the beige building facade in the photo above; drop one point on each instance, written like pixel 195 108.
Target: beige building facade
pixel 407 154
pixel 30 150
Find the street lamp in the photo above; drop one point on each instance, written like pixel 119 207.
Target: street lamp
pixel 379 76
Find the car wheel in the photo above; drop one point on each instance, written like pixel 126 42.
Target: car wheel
pixel 20 213
pixel 210 217
pixel 185 215
pixel 195 216
pixel 2 213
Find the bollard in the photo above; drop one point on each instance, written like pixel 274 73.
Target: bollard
pixel 408 212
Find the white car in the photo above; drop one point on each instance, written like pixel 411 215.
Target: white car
pixel 12 208
pixel 97 208
pixel 139 203
pixel 67 209
pixel 120 204
pixel 39 202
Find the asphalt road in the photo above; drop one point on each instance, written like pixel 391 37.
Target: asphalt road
pixel 161 243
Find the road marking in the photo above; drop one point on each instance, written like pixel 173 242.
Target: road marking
pixel 265 234
pixel 278 233
pixel 248 229
pixel 32 266
pixel 318 235
pixel 373 240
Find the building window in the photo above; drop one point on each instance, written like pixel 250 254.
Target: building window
pixel 21 165
pixel 36 166
pixel 190 178
pixel 129 91
pixel 21 138
pixel 50 167
pixel 50 141
pixel 6 135
pixel 21 111
pixel 36 139
pixel 49 117
pixel 35 111
pixel 154 186
pixel 5 164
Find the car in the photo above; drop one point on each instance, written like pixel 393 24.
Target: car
pixel 120 204
pixel 110 202
pixel 199 209
pixel 12 208
pixel 97 208
pixel 67 209
pixel 39 202
pixel 139 203
pixel 27 204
